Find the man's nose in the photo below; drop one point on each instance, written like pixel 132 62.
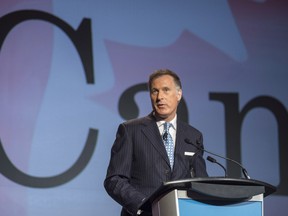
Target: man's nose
pixel 160 95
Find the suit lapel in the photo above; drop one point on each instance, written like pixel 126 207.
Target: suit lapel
pixel 180 134
pixel 151 131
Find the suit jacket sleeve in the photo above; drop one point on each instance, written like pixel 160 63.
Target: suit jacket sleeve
pixel 117 182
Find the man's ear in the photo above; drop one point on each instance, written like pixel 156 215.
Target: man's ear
pixel 179 95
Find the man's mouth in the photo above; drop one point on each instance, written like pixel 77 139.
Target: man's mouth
pixel 160 105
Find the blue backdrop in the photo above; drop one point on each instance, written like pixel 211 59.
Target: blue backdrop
pixel 71 71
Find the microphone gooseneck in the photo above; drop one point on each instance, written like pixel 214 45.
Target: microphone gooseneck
pixel 244 171
pixel 213 160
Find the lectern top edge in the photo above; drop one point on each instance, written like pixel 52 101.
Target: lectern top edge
pixel 185 183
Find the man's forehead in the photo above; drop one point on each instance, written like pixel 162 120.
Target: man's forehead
pixel 165 79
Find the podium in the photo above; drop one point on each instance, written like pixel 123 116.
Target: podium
pixel 209 196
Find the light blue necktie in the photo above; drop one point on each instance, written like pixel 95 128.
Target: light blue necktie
pixel 168 142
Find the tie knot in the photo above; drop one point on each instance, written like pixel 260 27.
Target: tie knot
pixel 167 125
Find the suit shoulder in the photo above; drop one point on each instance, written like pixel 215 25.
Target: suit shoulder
pixel 138 121
pixel 189 127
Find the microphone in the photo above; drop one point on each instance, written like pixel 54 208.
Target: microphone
pixel 244 171
pixel 213 160
pixel 165 136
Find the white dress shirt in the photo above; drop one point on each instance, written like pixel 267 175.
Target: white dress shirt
pixel 172 129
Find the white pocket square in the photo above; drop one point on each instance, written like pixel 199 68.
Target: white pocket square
pixel 189 153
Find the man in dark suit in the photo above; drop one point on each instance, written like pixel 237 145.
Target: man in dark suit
pixel 139 162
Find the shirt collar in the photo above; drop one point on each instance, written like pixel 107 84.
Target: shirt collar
pixel 173 122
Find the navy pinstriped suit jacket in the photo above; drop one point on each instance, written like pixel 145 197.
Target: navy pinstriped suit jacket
pixel 139 163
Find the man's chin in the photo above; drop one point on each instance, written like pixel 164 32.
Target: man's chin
pixel 161 116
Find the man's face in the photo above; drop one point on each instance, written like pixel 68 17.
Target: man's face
pixel 165 96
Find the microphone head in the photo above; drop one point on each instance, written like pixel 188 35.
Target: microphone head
pixel 187 141
pixel 213 160
pixel 165 136
pixel 191 142
pixel 197 145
